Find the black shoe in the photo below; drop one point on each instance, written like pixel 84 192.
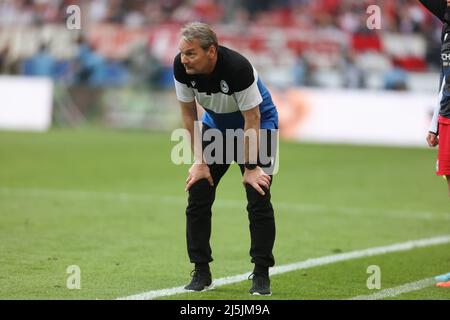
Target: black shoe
pixel 201 280
pixel 260 286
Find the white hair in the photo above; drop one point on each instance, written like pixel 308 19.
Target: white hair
pixel 200 31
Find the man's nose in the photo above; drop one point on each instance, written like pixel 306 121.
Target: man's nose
pixel 184 60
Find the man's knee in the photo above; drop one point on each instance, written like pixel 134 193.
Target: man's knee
pixel 201 188
pixel 258 203
pixel 201 195
pixel 254 196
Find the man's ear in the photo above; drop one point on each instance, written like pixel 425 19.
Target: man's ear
pixel 212 51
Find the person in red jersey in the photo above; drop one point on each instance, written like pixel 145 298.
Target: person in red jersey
pixel 439 132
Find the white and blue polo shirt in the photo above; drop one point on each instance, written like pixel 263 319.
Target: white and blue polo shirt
pixel 232 87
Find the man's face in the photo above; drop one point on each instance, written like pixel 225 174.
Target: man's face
pixel 195 59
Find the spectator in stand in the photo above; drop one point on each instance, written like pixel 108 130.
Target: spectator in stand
pixel 42 64
pixel 303 72
pixel 7 64
pixel 145 68
pixel 90 66
pixel 396 79
pixel 353 75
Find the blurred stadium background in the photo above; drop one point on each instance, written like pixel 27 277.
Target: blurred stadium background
pixel 75 191
pixel 117 69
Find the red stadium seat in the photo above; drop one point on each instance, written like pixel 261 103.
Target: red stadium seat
pixel 411 63
pixel 364 42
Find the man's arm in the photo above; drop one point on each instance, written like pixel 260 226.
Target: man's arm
pixel 252 120
pixel 257 178
pixel 432 135
pixel 190 123
pixel 199 169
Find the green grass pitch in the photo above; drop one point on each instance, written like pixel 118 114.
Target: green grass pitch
pixel 113 204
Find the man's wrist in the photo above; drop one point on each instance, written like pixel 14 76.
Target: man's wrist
pixel 199 161
pixel 250 166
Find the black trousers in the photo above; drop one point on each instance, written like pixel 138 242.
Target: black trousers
pixel 198 216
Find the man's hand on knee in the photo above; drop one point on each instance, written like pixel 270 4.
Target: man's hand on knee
pixel 197 172
pixel 257 178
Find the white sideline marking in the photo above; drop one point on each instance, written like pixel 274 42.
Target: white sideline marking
pixel 179 200
pixel 309 263
pixel 393 292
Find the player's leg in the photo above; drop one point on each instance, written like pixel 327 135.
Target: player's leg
pixel 262 227
pixel 198 228
pixel 198 225
pixel 262 231
pixel 198 211
pixel 198 216
pixel 262 235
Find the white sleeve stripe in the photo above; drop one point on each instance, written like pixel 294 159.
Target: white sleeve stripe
pixel 434 121
pixel 184 93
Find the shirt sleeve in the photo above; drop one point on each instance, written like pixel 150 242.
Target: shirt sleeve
pixel 184 93
pixel 250 97
pixel 436 7
pixel 434 125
